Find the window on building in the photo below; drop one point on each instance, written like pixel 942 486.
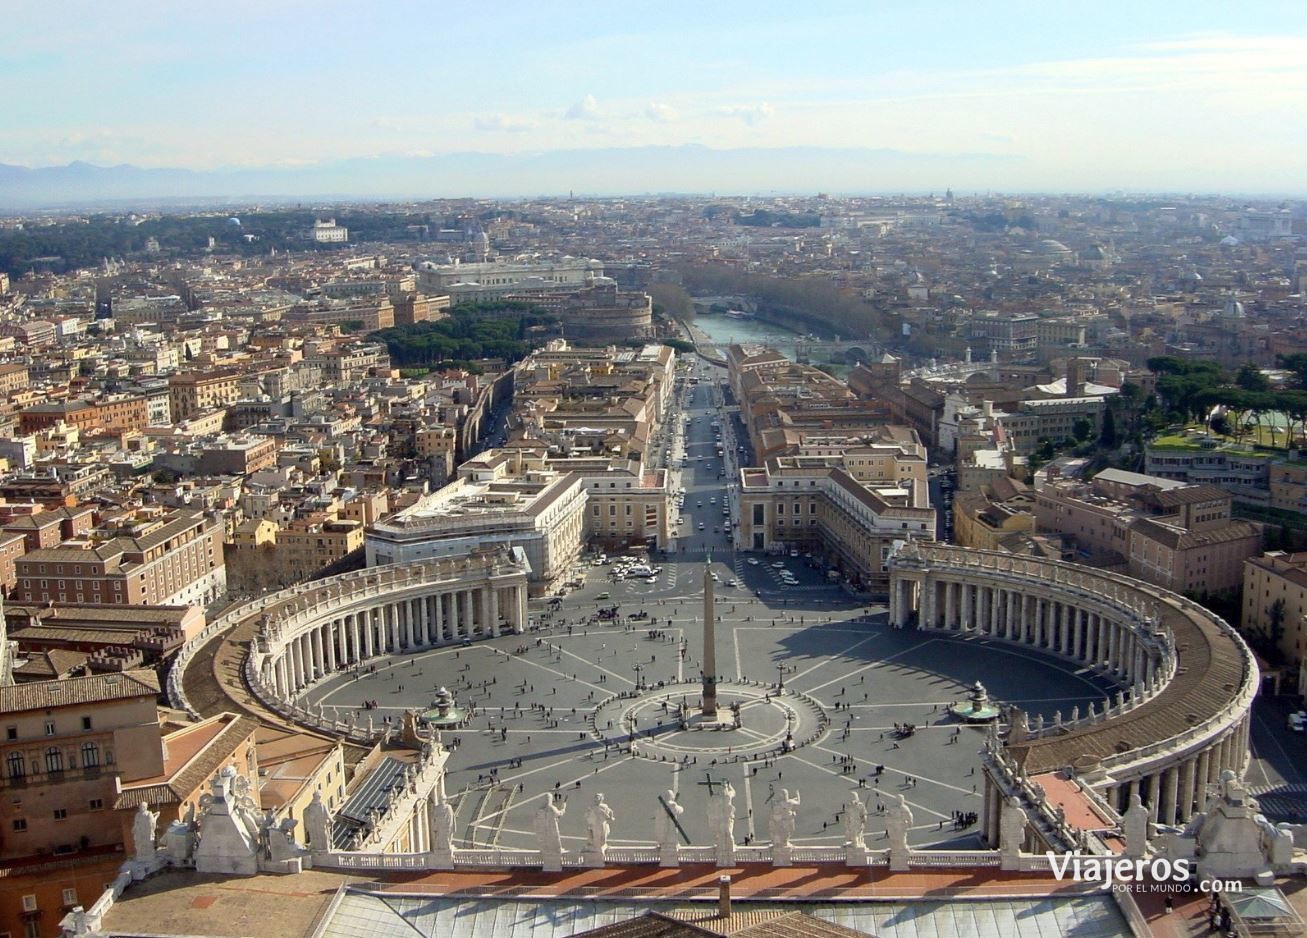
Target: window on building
pixel 20 824
pixel 86 723
pixel 54 759
pixel 96 804
pixel 90 755
pixel 11 732
pixel 49 727
pixel 61 814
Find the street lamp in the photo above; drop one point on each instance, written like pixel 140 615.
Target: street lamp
pixel 639 678
pixel 780 677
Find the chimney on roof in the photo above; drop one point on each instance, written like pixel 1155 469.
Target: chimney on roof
pixel 724 897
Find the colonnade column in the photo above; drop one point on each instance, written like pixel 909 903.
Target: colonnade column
pixel 1187 797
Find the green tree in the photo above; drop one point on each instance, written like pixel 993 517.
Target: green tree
pixel 1107 435
pixel 1297 363
pixel 1273 633
pixel 1250 378
pixel 1082 429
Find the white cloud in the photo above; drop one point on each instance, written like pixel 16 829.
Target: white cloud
pixel 751 114
pixel 661 112
pixel 503 123
pixel 587 109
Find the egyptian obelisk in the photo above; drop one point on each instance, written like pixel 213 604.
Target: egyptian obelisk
pixel 709 645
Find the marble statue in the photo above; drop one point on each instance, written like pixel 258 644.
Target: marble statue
pixel 784 815
pixel 143 836
pixel 179 842
pixel 1011 833
pixel 550 841
pixel 442 825
pixel 317 824
pixel 855 822
pixel 598 823
pixel 721 819
pixel 1135 822
pixel 898 821
pixel 278 840
pixel 665 831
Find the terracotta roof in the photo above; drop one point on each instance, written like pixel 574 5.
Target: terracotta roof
pixel 51 664
pixel 196 766
pixel 1177 538
pixel 44 695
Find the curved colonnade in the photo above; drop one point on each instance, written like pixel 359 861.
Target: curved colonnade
pixel 385 611
pixel 1187 679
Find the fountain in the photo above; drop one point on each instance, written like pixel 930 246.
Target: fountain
pixel 977 708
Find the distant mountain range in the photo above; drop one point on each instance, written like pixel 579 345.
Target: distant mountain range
pixel 619 171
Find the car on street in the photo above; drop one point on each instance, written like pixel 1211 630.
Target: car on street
pixel 752 561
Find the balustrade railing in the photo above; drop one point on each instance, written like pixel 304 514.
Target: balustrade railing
pixel 482 858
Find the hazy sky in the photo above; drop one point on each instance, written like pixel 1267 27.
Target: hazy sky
pixel 1163 93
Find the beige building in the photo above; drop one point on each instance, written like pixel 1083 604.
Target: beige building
pixel 1179 536
pixel 990 518
pixel 194 392
pixel 171 559
pixel 67 747
pixel 816 504
pixel 1275 585
pixel 487 507
pixel 293 766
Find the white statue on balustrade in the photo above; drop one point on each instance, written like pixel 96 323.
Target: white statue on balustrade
pixel 784 818
pixel 898 822
pixel 547 835
pixel 666 832
pixel 721 821
pixel 598 822
pixel 143 833
pixel 317 824
pixel 855 822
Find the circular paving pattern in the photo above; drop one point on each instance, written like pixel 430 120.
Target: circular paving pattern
pixel 665 725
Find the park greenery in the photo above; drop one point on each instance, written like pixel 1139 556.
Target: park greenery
pixel 470 333
pixel 1238 406
pixel 86 241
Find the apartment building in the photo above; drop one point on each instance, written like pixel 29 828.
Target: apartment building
pixel 13 377
pixel 67 746
pixel 1275 597
pixel 994 516
pixel 1182 537
pixel 194 392
pixel 114 414
pixel 171 559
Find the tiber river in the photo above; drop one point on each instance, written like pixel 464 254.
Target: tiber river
pixel 724 330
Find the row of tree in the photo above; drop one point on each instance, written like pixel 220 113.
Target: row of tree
pixel 1236 405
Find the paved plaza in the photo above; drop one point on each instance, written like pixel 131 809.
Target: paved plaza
pixel 557 710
